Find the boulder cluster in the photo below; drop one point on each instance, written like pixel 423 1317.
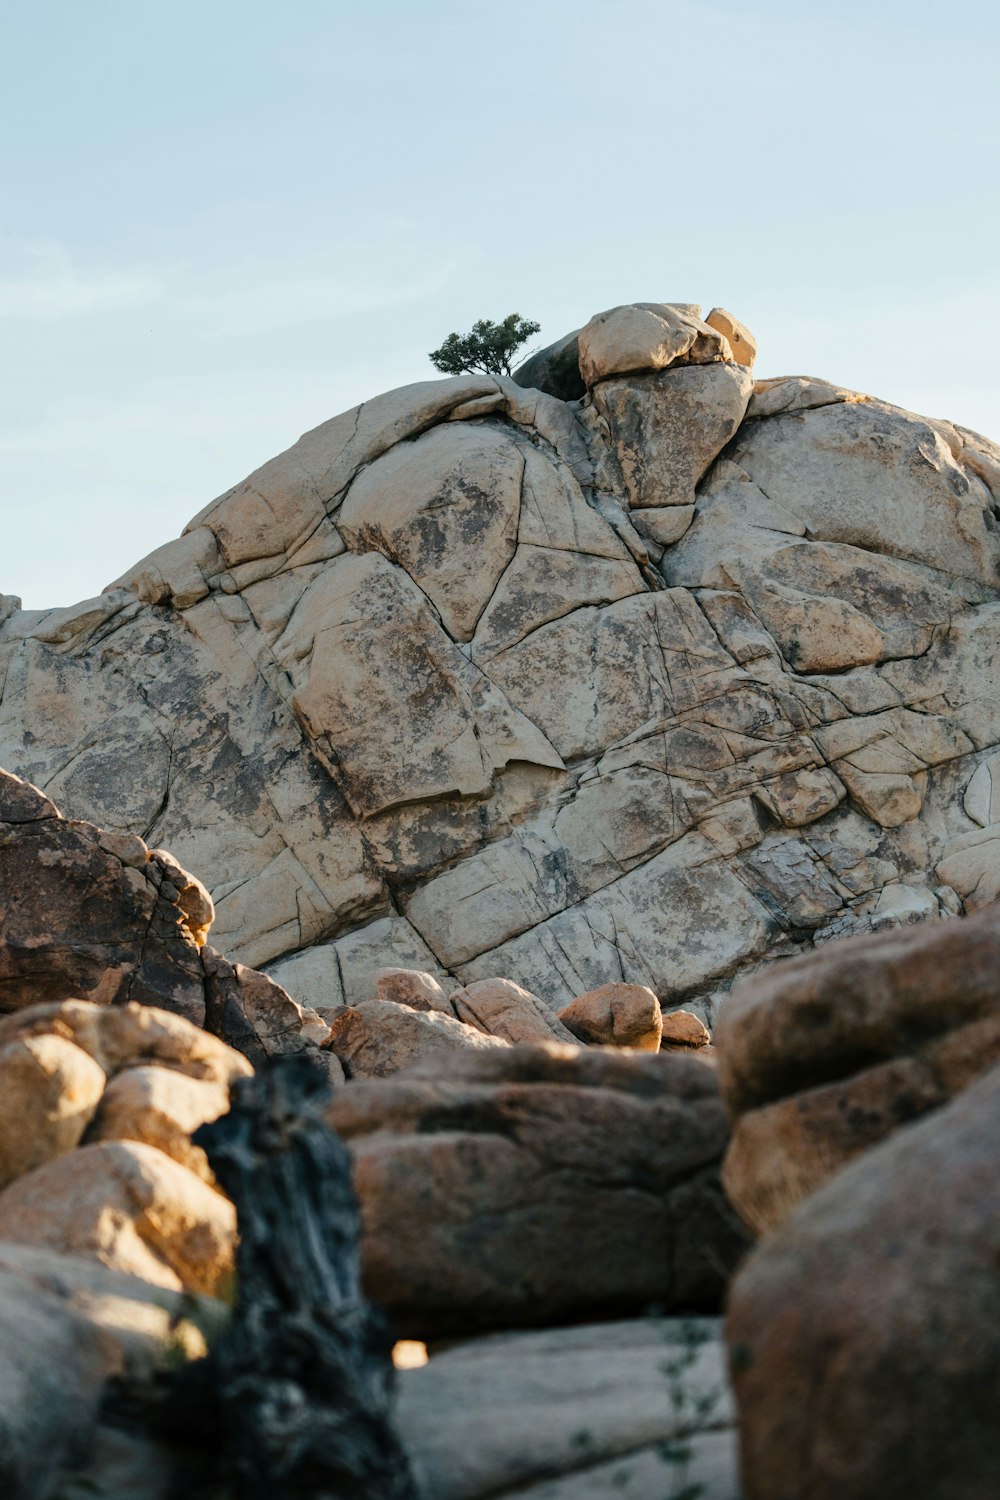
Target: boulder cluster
pixel 595 776
pixel 515 1168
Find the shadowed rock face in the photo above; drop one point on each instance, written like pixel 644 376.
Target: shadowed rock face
pixel 863 1332
pixel 647 686
pixel 90 913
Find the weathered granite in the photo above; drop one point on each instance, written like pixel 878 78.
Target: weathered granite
pixel 644 686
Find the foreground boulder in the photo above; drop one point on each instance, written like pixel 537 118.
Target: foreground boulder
pixel 68 1329
pixel 524 1185
pixel 821 1058
pixel 595 1411
pixel 130 1207
pixel 380 1037
pixel 865 1332
pixel 97 1108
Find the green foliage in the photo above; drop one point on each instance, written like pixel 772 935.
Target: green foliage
pixel 489 347
pixel 691 1410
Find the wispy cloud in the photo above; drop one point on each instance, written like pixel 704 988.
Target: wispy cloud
pixel 39 279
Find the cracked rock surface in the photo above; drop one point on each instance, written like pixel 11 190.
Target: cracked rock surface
pixel 644 687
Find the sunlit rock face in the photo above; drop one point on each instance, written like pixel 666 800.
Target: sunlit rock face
pixel 647 686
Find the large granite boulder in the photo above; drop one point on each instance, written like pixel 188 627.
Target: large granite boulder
pixel 649 685
pixel 522 1185
pixel 865 1331
pixel 822 1057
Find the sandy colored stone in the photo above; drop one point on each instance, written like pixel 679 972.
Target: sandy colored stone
pixel 122 1036
pixel 501 1008
pixel 132 1208
pixel 667 428
pixel 544 583
pixel 192 897
pixel 163 1108
pixel 815 1018
pixel 499 1188
pixel 682 1029
pixel 379 1037
pixel 645 336
pixel 785 1151
pixel 343 972
pixel 413 694
pixel 616 1015
pixel 741 341
pixel 982 795
pixel 445 508
pixel 822 1058
pixel 178 572
pixel 880 1292
pixel 884 459
pixel 49 1090
pixel 382 659
pixel 664 524
pixel 788 393
pixel 412 987
pixel 971 866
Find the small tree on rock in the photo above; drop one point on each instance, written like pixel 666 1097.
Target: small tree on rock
pixel 489 347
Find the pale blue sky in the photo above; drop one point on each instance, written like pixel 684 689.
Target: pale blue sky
pixel 222 222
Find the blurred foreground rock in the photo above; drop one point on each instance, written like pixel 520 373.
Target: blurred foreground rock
pixel 525 1185
pixel 69 1327
pixel 822 1057
pixel 97 1107
pixel 865 1332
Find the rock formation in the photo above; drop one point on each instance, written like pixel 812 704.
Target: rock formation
pixel 499 1185
pixel 510 723
pixel 865 1082
pixel 823 1057
pixel 646 685
pixel 863 1333
pixel 69 1328
pixel 598 1412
